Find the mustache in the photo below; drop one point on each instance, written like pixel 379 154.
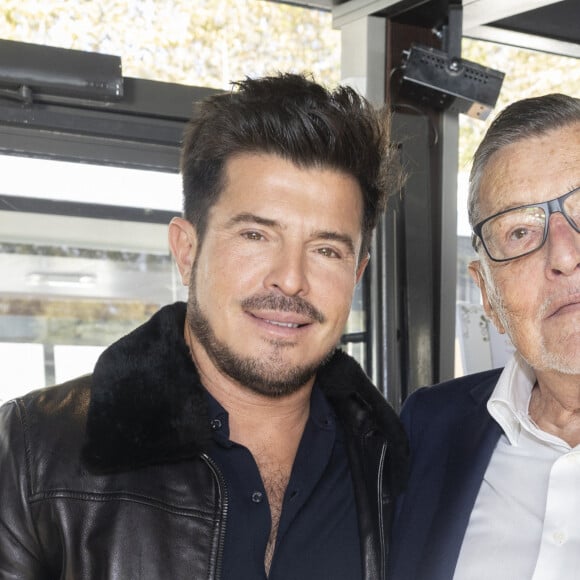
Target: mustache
pixel 283 304
pixel 556 301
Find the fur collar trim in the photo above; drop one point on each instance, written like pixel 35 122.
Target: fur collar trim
pixel 148 406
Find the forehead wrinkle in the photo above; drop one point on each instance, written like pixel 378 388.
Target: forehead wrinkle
pixel 509 180
pixel 492 200
pixel 502 187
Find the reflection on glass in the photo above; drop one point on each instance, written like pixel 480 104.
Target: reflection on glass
pixel 62 295
pixel 22 367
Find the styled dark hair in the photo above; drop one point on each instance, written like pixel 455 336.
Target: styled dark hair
pixel 291 116
pixel 520 120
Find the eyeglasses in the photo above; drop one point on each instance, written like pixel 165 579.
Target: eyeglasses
pixel 519 231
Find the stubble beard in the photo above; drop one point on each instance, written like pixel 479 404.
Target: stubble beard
pixel 268 374
pixel 547 358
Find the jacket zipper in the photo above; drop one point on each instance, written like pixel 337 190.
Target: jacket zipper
pixel 380 508
pixel 224 512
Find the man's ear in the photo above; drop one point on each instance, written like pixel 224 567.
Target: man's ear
pixel 183 245
pixel 475 271
pixel 362 266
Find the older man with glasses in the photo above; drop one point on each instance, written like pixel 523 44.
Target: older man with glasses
pixel 495 484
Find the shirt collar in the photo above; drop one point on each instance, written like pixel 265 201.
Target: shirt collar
pixel 321 414
pixel 510 399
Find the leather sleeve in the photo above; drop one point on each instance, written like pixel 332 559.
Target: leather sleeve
pixel 20 557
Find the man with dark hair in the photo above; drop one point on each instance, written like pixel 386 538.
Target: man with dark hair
pixel 495 457
pixel 228 438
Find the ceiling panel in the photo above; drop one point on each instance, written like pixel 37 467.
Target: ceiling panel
pixel 558 21
pixel 549 25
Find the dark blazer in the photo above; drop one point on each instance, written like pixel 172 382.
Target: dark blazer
pixel 452 438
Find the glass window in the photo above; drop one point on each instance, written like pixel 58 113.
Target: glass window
pixel 22 362
pixel 73 284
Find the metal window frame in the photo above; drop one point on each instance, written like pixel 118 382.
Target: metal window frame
pixel 142 129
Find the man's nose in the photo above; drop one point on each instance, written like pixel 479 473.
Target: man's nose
pixel 288 271
pixel 563 246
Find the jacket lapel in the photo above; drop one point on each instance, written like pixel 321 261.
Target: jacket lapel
pixel 473 440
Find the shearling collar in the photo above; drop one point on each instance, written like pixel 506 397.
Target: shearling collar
pixel 148 406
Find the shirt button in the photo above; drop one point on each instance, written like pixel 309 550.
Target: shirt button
pixel 559 538
pixel 215 424
pixel 257 497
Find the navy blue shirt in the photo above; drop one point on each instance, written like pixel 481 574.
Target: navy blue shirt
pixel 318 534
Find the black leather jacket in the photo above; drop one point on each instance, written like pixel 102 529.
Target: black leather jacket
pixel 105 477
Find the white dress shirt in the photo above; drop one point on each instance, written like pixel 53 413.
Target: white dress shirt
pixel 525 524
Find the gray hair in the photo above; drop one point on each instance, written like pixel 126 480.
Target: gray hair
pixel 520 120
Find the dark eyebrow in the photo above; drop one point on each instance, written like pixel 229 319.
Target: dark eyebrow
pixel 250 218
pixel 336 237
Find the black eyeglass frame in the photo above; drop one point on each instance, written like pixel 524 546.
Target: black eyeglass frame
pixel 551 206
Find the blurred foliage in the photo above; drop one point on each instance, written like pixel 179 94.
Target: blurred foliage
pixel 528 74
pixel 196 42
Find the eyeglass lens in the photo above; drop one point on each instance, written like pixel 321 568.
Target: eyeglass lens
pixel 522 230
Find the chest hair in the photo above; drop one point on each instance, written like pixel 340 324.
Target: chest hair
pixel 275 476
